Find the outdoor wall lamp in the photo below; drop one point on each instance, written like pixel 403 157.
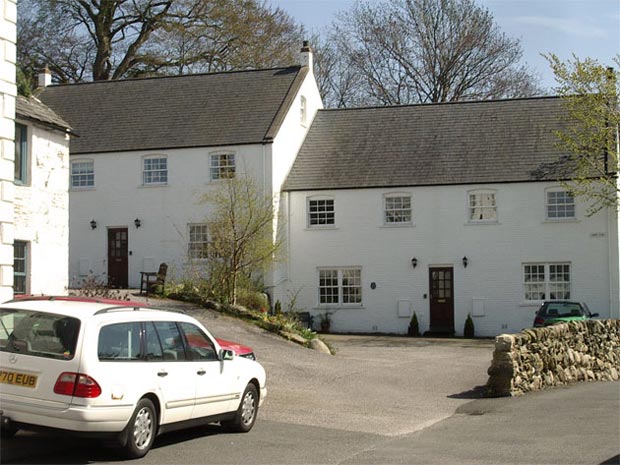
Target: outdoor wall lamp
pixel 93 224
pixel 137 222
pixel 465 262
pixel 414 262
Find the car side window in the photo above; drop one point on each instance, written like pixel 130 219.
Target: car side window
pixel 152 343
pixel 170 338
pixel 119 342
pixel 199 345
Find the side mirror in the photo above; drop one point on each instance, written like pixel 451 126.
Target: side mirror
pixel 593 315
pixel 226 354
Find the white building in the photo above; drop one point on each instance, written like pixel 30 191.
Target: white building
pixel 444 210
pixel 149 149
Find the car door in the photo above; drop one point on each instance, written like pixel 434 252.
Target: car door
pixel 215 380
pixel 174 376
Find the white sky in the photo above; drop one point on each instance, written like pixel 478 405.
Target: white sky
pixel 587 28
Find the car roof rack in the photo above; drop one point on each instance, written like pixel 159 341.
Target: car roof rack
pixel 120 308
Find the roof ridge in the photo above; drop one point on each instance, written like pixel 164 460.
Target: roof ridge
pixel 430 104
pixel 146 78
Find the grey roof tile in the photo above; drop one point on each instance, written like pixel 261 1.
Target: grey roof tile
pixel 217 109
pixel 32 109
pixel 432 144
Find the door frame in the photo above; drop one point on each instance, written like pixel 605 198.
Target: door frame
pixel 116 278
pixel 441 308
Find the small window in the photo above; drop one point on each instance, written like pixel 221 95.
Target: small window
pixel 20 267
pixel 303 105
pixel 155 171
pixel 21 154
pixel 397 209
pixel 198 241
pixel 321 212
pixel 560 205
pixel 199 345
pixel 119 342
pixel 340 286
pixel 547 281
pixel 222 166
pixel 482 207
pixel 82 174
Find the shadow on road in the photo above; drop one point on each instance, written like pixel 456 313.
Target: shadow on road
pixel 475 393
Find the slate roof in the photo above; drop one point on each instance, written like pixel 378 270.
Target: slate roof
pixel 430 144
pixel 218 109
pixel 32 109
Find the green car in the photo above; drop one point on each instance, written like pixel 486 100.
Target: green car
pixel 561 311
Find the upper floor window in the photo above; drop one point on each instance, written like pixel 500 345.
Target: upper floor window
pixel 397 209
pixel 303 105
pixel 560 205
pixel 321 212
pixel 82 174
pixel 546 281
pixel 340 286
pixel 20 267
pixel 222 166
pixel 482 206
pixel 198 241
pixel 155 170
pixel 21 154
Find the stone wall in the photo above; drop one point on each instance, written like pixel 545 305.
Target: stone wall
pixel 539 358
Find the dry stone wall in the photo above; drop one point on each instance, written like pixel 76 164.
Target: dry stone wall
pixel 539 358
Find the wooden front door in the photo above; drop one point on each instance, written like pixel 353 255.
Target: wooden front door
pixel 117 257
pixel 442 299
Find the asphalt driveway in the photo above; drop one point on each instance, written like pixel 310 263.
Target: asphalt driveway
pixel 374 384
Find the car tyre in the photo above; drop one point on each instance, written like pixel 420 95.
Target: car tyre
pixel 141 430
pixel 245 416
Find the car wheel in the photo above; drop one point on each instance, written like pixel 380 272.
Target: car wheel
pixel 246 413
pixel 7 433
pixel 141 429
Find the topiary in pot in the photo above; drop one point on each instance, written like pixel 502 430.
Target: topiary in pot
pixel 469 331
pixel 414 328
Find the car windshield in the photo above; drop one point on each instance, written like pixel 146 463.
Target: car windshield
pixel 39 334
pixel 561 310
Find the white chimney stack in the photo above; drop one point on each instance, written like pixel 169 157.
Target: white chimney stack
pixel 45 77
pixel 306 55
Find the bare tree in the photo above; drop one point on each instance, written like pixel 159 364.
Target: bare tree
pixel 113 39
pixel 416 51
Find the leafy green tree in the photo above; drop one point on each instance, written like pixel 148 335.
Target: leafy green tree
pixel 242 243
pixel 590 92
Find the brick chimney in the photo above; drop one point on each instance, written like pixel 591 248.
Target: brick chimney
pixel 306 55
pixel 45 77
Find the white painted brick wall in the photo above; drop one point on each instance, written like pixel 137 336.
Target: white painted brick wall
pixel 441 235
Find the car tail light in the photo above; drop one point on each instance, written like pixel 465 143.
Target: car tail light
pixel 539 321
pixel 76 384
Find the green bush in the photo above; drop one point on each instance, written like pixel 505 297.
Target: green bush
pixel 414 328
pixel 469 330
pixel 253 300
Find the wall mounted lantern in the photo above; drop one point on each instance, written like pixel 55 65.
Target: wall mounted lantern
pixel 465 262
pixel 93 224
pixel 137 222
pixel 414 262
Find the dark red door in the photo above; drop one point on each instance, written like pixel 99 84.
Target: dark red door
pixel 442 300
pixel 117 257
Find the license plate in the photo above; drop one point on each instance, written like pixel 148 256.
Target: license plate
pixel 19 379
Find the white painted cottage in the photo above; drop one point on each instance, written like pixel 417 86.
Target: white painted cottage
pixel 443 210
pixel 148 150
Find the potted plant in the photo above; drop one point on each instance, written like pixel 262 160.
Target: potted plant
pixel 469 331
pixel 414 327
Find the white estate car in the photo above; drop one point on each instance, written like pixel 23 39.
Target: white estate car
pixel 121 372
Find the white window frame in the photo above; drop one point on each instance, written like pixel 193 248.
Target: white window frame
pixel 560 207
pixel 25 259
pixel 83 177
pixel 402 213
pixel 344 285
pixel 320 215
pixel 547 281
pixel 303 109
pixel 22 154
pixel 222 165
pixel 155 175
pixel 198 241
pixel 483 207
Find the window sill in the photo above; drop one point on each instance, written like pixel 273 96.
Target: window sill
pixel 531 303
pixel 482 223
pixel 326 308
pixel 148 186
pixel 321 228
pixel 81 189
pixel 397 225
pixel 560 220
